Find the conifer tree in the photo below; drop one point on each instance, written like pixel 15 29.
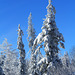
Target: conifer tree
pixel 72 58
pixel 50 38
pixel 21 51
pixel 31 32
pixel 67 66
pixel 66 60
pixel 31 38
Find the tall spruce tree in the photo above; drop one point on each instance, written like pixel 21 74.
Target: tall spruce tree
pixel 31 32
pixel 21 51
pixel 31 38
pixel 50 38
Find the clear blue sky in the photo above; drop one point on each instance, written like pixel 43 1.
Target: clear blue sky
pixel 14 12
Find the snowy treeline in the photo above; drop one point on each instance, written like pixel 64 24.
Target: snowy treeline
pixel 50 40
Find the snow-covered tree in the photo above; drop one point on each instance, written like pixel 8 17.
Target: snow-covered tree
pixel 10 63
pixel 72 53
pixel 21 51
pixel 72 59
pixel 68 69
pixel 31 38
pixel 31 32
pixel 72 66
pixel 50 38
pixel 66 59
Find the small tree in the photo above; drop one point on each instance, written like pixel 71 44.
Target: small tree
pixel 10 63
pixel 72 53
pixel 72 59
pixel 67 66
pixel 21 51
pixel 66 60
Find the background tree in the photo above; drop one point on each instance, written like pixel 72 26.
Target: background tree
pixel 31 32
pixel 21 51
pixel 10 63
pixel 72 59
pixel 66 59
pixel 31 38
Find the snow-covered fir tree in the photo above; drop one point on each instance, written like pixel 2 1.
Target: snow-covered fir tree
pixel 72 53
pixel 51 38
pixel 31 38
pixel 67 68
pixel 21 51
pixel 66 59
pixel 31 32
pixel 72 59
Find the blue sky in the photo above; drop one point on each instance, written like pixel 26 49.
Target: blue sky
pixel 14 12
